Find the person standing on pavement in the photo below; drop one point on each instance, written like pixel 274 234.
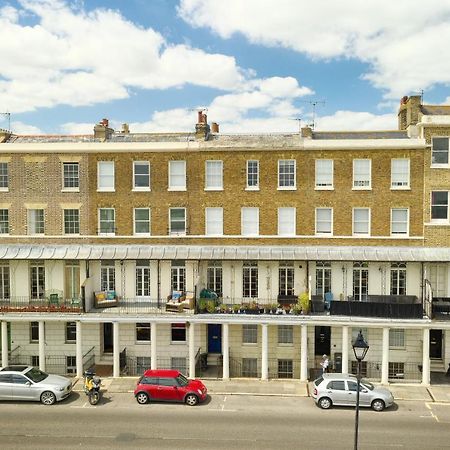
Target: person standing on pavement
pixel 325 363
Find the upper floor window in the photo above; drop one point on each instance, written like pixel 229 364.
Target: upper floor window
pixel 286 221
pixel 252 175
pixel 439 206
pixel 105 176
pixel 37 280
pixel 361 221
pixel 323 277
pixel 250 221
pixel 399 221
pixel 4 221
pixel 400 173
pixel 142 221
pixel 71 176
pixel 250 279
pixel 214 221
pixel 178 275
pixel 5 290
pixel 141 175
pixel 35 221
pixel 286 273
pixel 177 220
pixel 106 221
pixel 71 331
pixel 177 175
pixel 439 151
pixel 324 221
pixel 398 278
pixel 4 180
pixel 324 174
pixel 71 221
pixel 142 278
pixel 214 277
pixel 108 275
pixel 362 174
pixel 286 174
pixel 214 176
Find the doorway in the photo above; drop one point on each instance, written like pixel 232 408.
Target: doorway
pixel 214 338
pixel 108 337
pixel 436 344
pixel 322 341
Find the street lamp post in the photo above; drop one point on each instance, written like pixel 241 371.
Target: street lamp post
pixel 360 348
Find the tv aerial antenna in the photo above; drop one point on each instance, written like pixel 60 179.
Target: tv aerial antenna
pixel 299 120
pixel 8 118
pixel 313 104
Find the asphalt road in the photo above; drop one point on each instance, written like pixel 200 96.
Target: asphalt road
pixel 223 422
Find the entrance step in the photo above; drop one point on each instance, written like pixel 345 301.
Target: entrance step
pixel 106 358
pixel 437 365
pixel 214 359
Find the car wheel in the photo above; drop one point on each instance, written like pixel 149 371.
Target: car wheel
pixel 48 398
pixel 325 403
pixel 378 405
pixel 191 399
pixel 142 398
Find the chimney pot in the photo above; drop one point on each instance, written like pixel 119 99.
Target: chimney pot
pixel 125 128
pixel 214 127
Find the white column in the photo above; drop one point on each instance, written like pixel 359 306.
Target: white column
pixel 116 350
pixel 426 357
pixel 4 343
pixel 153 353
pixel 385 357
pixel 79 350
pixel 344 349
pixel 225 351
pixel 265 352
pixel 41 345
pixel 191 350
pixel 304 353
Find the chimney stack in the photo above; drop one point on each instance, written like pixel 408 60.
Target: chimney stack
pixel 409 112
pixel 102 130
pixel 125 128
pixel 306 132
pixel 202 127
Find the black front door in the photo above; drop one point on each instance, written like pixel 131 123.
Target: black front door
pixel 436 344
pixel 322 341
pixel 107 337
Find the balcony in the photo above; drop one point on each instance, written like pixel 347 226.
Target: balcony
pixel 440 308
pixel 47 305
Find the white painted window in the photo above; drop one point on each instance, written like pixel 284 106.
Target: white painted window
pixel 439 151
pixel 250 334
pixel 4 221
pixel 285 368
pixel 286 221
pixel 399 221
pixel 71 176
pixel 178 275
pixel 71 221
pixel 177 175
pixel 214 176
pixel 287 174
pixel 400 173
pixel 285 334
pixel 396 338
pixel 4 178
pixel 36 221
pixel 324 221
pixel 398 278
pixel 141 176
pixel 362 174
pixel 177 221
pixel 143 332
pixel 106 221
pixel 361 221
pixel 324 174
pixel 5 288
pixel 439 206
pixel 250 279
pixel 143 278
pixel 142 221
pixel 37 280
pixel 105 176
pixel 250 367
pixel 250 221
pixel 214 221
pixel 108 275
pixel 252 175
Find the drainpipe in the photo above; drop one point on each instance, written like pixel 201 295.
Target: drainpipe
pixel 159 281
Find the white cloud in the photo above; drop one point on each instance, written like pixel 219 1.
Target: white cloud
pixel 404 42
pixel 23 128
pixel 356 121
pixel 77 128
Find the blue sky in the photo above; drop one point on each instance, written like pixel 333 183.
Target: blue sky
pixel 255 65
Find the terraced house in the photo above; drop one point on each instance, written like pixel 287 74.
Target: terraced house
pixel 228 255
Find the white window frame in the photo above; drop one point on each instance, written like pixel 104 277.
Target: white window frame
pixel 324 175
pixel 71 178
pixel 214 221
pixel 406 233
pixel 397 338
pixel 285 335
pixel 148 221
pixel 250 334
pixel 283 187
pixel 255 163
pixel 147 328
pixel 367 219
pixel 147 187
pixel 4 221
pixel 214 175
pixel 106 176
pixel 439 220
pixel 287 223
pixel 106 233
pixel 440 164
pixel 74 224
pixel 142 279
pixel 177 181
pixel 400 180
pixel 249 226
pixel 177 233
pixel 362 181
pixel 4 169
pixel 32 221
pixel 317 213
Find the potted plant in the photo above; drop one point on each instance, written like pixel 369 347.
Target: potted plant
pixel 304 302
pixel 210 306
pixel 236 309
pixel 201 305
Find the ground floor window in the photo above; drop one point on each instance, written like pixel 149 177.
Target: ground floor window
pixel 285 368
pixel 143 332
pixel 363 368
pixel 250 367
pixel 285 334
pixel 250 334
pixel 397 338
pixel 71 364
pixel 34 331
pixel 142 364
pixel 178 332
pixel 396 370
pixel 178 363
pixel 35 360
pixel 71 332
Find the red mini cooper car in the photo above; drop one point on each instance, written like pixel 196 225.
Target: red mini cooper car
pixel 170 386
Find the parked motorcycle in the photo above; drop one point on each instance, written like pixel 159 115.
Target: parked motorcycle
pixel 92 387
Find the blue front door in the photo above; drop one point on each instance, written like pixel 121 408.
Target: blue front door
pixel 214 338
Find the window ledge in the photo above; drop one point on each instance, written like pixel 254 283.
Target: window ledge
pixel 324 188
pixel 440 166
pixel 361 188
pixel 400 188
pixel 142 189
pixel 287 188
pixel 4 189
pixel 176 189
pixel 213 189
pixel 142 234
pixel 106 190
pixel 70 190
pixel 252 188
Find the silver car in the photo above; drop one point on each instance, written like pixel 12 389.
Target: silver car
pixel 340 389
pixel 29 383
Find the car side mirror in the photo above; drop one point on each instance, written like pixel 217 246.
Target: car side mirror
pixel 28 383
pixel 364 390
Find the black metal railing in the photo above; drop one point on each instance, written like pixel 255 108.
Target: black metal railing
pixel 27 304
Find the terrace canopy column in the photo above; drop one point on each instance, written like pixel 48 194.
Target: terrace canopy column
pixel 385 357
pixel 426 357
pixel 225 351
pixel 191 350
pixel 41 345
pixel 4 343
pixel 345 349
pixel 116 350
pixel 153 353
pixel 304 353
pixel 79 349
pixel 265 352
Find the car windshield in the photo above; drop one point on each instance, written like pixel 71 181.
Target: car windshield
pixel 368 385
pixel 36 375
pixel 182 380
